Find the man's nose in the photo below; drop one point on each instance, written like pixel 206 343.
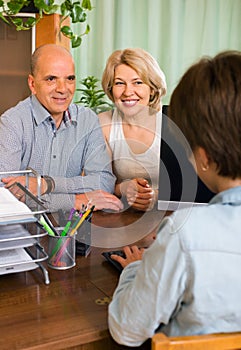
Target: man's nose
pixel 61 85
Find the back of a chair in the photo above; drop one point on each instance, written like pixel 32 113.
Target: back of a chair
pixel 222 341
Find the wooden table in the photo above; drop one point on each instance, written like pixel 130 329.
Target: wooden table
pixel 70 312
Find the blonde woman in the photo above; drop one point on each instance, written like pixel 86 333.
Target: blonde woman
pixel 134 82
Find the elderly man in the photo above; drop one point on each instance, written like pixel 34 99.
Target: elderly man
pixel 62 141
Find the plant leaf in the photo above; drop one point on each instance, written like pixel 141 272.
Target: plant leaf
pixel 15 6
pixel 76 41
pixel 86 4
pixel 75 9
pixel 66 30
pixel 4 18
pixel 77 14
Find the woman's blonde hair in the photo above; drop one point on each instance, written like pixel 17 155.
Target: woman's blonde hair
pixel 145 66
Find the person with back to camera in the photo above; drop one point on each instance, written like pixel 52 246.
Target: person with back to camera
pixel 133 80
pixel 188 281
pixel 60 140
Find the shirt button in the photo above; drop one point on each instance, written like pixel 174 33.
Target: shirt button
pixel 54 156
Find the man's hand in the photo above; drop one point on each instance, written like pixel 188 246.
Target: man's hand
pixel 132 253
pixel 32 185
pixel 100 199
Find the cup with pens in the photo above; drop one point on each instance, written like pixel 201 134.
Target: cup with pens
pixel 62 240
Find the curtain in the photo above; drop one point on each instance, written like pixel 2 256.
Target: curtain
pixel 175 32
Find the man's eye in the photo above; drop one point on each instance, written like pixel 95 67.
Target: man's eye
pixel 71 77
pixel 50 78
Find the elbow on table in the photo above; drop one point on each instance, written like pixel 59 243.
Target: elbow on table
pixel 123 334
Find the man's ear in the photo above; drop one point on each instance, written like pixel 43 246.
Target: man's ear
pixel 31 83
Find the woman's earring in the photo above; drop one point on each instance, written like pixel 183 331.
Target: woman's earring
pixel 204 167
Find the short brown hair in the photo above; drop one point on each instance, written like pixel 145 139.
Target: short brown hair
pixel 145 66
pixel 206 106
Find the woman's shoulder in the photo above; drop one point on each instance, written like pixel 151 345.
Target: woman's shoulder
pixel 105 117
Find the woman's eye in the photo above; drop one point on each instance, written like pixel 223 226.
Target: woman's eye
pixel 119 83
pixel 139 82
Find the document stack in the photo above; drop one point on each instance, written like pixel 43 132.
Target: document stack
pixel 20 249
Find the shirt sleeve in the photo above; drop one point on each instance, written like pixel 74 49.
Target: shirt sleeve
pixel 88 167
pixel 97 168
pixel 149 291
pixel 10 145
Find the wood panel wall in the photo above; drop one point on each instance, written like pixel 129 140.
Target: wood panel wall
pixel 47 31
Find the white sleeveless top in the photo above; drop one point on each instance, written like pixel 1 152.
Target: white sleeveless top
pixel 129 165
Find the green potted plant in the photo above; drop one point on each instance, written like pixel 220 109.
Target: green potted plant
pixel 76 11
pixel 92 96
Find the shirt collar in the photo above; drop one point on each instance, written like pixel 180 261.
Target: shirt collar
pixel 40 113
pixel 232 196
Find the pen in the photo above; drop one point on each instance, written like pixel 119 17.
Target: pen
pixel 46 226
pixel 66 229
pixel 83 217
pixel 49 223
pixel 74 214
pixel 86 216
pixel 71 214
pixel 89 216
pixel 76 221
pixel 68 224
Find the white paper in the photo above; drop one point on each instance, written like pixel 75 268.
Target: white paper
pixel 12 210
pixel 15 260
pixel 12 236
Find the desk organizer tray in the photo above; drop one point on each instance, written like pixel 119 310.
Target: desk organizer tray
pixel 21 259
pixel 20 248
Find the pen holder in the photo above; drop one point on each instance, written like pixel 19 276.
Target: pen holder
pixel 83 239
pixel 82 234
pixel 61 252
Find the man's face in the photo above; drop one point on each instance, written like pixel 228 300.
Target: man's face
pixel 53 82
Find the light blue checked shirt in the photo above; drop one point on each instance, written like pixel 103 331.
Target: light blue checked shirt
pixel 189 280
pixel 29 138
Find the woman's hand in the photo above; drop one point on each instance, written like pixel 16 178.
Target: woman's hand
pixel 139 194
pixel 132 253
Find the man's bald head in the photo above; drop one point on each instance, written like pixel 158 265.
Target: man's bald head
pixel 46 50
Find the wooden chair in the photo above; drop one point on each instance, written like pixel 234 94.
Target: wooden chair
pixel 197 342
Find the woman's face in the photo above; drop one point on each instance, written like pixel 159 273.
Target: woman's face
pixel 129 91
